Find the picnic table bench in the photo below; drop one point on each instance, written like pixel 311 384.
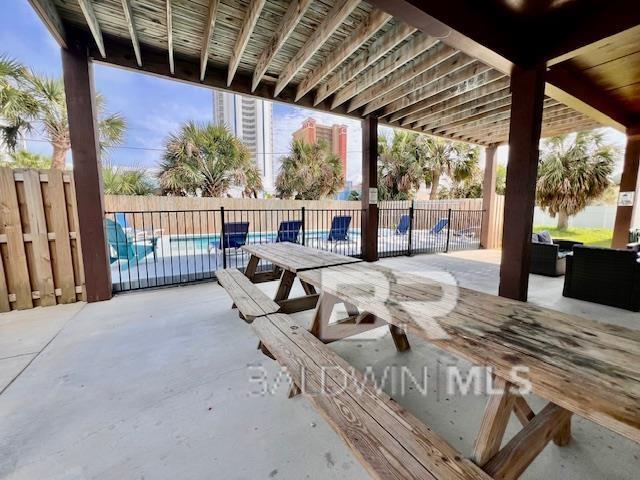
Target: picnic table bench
pixel 389 441
pixel 579 366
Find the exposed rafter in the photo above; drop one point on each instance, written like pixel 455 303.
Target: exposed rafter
pixel 128 15
pixel 248 24
pixel 426 79
pixel 170 36
pixel 340 11
pixel 206 38
pixel 470 89
pixel 363 60
pixel 467 114
pixel 47 12
pixel 410 50
pixel 291 18
pixel 360 35
pixel 90 17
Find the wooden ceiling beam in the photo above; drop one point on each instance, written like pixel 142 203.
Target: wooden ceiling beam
pixel 426 80
pixel 90 17
pixel 290 20
pixel 437 54
pixel 488 120
pixel 467 114
pixel 48 13
pixel 550 130
pixel 338 14
pixel 133 33
pixel 378 49
pixel 451 87
pixel 170 35
pixel 369 26
pixel 416 47
pixel 551 115
pixel 569 86
pixel 248 24
pixel 206 38
pixel 473 98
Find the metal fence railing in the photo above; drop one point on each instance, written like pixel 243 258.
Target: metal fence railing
pixel 158 248
pixel 406 231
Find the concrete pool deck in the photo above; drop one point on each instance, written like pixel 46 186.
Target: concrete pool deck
pixel 158 384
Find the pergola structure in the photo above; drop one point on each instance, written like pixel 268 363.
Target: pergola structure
pixel 488 72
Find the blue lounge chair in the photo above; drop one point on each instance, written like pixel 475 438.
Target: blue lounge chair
pixel 439 226
pixel 235 236
pixel 339 229
pixel 289 231
pixel 126 247
pixel 403 225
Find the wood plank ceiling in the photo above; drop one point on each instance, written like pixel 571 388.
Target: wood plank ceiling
pixel 359 58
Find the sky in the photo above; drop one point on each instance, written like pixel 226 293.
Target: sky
pixel 155 107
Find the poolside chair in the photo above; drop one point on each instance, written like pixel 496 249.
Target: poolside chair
pixel 440 225
pixel 403 225
pixel 126 247
pixel 288 231
pixel 339 231
pixel 235 236
pixel 121 219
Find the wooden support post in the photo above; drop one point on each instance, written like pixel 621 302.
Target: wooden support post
pixel 487 239
pixel 628 183
pixel 399 338
pixel 369 226
pixel 527 97
pixel 85 147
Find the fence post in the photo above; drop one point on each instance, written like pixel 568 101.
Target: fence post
pixel 222 239
pixel 410 239
pixel 304 228
pixel 446 250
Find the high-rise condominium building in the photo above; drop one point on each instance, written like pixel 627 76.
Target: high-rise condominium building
pixel 249 119
pixel 335 136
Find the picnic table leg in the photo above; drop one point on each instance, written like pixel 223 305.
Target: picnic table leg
pixel 308 288
pixel 252 266
pixel 553 422
pixel 399 338
pixel 284 289
pixel 322 315
pixel 494 423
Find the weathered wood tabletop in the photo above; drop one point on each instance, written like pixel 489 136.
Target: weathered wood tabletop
pixel 584 367
pixel 296 258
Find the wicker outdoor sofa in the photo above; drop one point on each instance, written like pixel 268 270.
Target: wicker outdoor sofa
pixel 604 275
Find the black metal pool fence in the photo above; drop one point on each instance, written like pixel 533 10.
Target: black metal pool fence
pixel 158 248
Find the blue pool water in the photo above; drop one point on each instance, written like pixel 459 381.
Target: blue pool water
pixel 198 243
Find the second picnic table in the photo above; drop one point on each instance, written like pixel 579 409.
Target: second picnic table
pixel 288 259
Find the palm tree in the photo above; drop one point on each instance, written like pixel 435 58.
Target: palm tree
pixel 25 159
pixel 207 160
pixel 399 169
pixel 309 172
pixel 29 101
pixel 440 157
pixel 573 171
pixel 119 181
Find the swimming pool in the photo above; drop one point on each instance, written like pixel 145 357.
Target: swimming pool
pixel 200 243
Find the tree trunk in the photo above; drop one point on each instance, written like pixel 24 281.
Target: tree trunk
pixel 434 186
pixel 563 220
pixel 59 157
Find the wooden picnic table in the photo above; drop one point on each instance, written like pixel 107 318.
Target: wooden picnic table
pixel 288 260
pixel 579 366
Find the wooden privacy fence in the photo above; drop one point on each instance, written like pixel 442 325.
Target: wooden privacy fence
pixel 40 254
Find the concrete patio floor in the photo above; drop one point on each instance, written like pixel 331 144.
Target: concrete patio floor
pixel 157 384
